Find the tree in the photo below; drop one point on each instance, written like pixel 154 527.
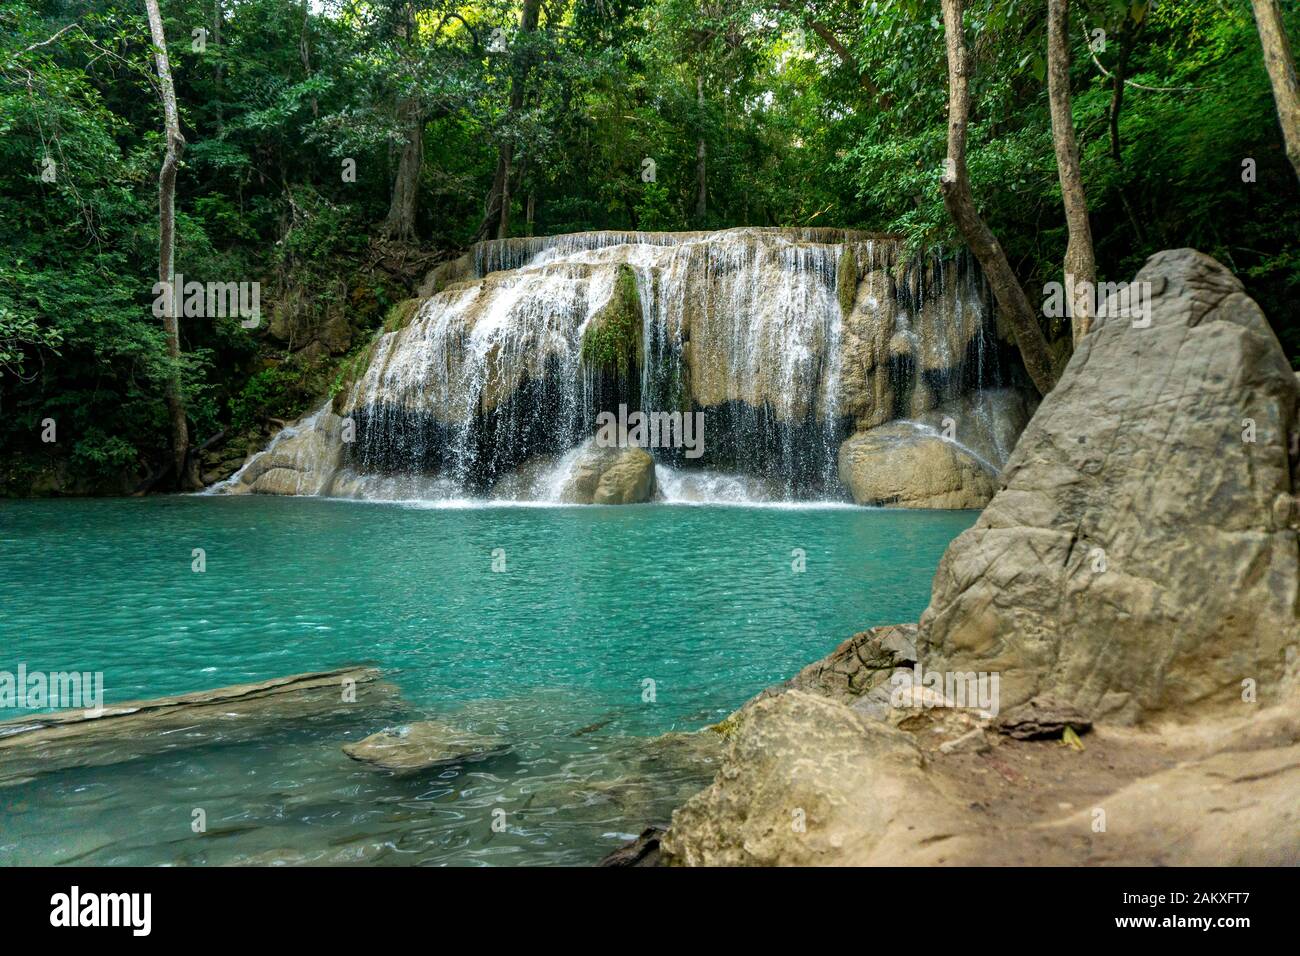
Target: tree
pixel 400 221
pixel 186 472
pixel 1080 261
pixel 1281 73
pixel 497 209
pixel 701 158
pixel 960 203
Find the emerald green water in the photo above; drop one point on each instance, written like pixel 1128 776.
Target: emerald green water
pixel 553 653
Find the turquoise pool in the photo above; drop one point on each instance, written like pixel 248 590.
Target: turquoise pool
pixel 554 652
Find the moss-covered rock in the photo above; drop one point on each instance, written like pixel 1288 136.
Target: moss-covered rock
pixel 846 280
pixel 612 342
pixel 350 370
pixel 400 314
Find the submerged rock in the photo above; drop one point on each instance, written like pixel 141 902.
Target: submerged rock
pixel 422 745
pixel 903 465
pixel 44 743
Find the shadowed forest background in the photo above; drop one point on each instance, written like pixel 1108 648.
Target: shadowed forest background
pixel 502 119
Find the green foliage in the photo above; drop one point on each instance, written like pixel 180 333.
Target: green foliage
pixel 265 393
pixel 795 130
pixel 656 212
pixel 399 314
pixel 613 340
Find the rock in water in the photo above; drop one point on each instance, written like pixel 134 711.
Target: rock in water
pixel 300 461
pixel 1142 556
pixel 421 745
pixel 901 465
pixel 643 851
pixel 611 476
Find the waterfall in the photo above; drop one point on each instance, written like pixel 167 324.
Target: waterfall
pixel 784 340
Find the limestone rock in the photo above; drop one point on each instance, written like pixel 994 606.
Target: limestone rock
pixel 611 476
pixel 1137 567
pixel 336 333
pixel 1219 793
pixel 971 742
pixel 1042 717
pixel 643 851
pixel 612 339
pixel 903 465
pixel 301 461
pixel 869 347
pixel 866 660
pixel 422 745
pixel 987 423
pixel 806 781
pixel 1134 563
pixel 49 742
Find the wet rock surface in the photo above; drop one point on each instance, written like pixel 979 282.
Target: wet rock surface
pixel 423 745
pixel 903 465
pixel 611 476
pixel 784 340
pixel 45 743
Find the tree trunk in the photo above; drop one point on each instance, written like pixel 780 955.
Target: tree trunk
pixel 186 474
pixel 400 223
pixel 1126 38
pixel 960 203
pixel 218 74
pixel 503 217
pixel 304 51
pixel 1281 73
pixel 701 177
pixel 1080 261
pixel 496 211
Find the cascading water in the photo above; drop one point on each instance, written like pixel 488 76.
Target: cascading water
pixel 785 340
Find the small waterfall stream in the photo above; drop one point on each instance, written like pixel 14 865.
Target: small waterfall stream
pixel 784 340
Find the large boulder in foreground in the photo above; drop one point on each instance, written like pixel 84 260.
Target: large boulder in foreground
pixel 1142 557
pixel 904 465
